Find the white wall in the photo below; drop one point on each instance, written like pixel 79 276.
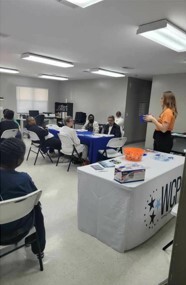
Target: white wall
pixel 161 83
pixel 8 85
pixel 102 97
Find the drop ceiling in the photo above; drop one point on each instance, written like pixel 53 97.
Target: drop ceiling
pixel 100 36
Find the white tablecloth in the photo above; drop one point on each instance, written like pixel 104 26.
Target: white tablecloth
pixel 125 215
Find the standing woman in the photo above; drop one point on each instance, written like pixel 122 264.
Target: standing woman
pixel 163 140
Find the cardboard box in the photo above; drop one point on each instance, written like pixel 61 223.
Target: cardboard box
pixel 129 173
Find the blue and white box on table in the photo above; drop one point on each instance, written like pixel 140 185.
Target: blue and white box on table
pixel 131 172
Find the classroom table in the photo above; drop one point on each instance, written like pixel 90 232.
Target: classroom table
pixel 95 142
pixel 179 143
pixel 124 216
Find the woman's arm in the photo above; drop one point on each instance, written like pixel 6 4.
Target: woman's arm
pixel 84 126
pixel 162 127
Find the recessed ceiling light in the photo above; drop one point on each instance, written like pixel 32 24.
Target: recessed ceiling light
pixel 54 77
pixel 79 3
pixel 105 72
pixel 8 70
pixel 46 60
pixel 164 33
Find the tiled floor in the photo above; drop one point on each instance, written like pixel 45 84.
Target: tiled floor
pixel 72 257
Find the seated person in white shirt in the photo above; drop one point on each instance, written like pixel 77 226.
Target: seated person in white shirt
pixel 91 125
pixel 67 129
pixel 119 121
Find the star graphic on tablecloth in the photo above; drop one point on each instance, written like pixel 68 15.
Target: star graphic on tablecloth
pixel 151 204
pixel 152 218
pixel 158 204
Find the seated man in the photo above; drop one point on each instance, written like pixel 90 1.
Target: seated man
pixel 91 125
pixel 46 139
pixel 68 130
pixel 8 122
pixel 112 128
pixel 16 184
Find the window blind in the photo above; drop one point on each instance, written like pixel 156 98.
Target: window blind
pixel 31 99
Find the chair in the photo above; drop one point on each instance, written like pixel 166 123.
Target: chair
pixel 68 149
pixel 40 120
pixel 113 147
pixel 11 133
pixel 80 118
pixel 33 113
pixel 174 213
pixel 35 142
pixel 13 210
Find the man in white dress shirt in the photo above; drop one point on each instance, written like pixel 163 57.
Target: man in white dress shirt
pixel 68 130
pixel 119 121
pixel 91 125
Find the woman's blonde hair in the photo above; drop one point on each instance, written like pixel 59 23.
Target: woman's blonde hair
pixel 169 101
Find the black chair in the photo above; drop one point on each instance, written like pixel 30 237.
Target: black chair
pixel 40 120
pixel 33 113
pixel 80 118
pixel 35 142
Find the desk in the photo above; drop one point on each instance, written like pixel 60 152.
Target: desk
pixel 125 215
pixel 93 141
pixel 179 143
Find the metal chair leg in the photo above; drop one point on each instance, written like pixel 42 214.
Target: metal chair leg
pixel 167 245
pixel 28 153
pixel 41 153
pixel 36 156
pixel 49 157
pixel 57 162
pixel 69 164
pixel 39 253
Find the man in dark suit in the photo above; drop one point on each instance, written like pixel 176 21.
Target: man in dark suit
pixel 112 128
pixel 46 139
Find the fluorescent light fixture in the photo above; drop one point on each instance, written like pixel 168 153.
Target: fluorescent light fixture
pixel 107 72
pixel 54 77
pixel 8 70
pixel 80 3
pixel 46 60
pixel 164 33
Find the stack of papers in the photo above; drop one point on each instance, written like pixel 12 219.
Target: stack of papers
pixel 107 163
